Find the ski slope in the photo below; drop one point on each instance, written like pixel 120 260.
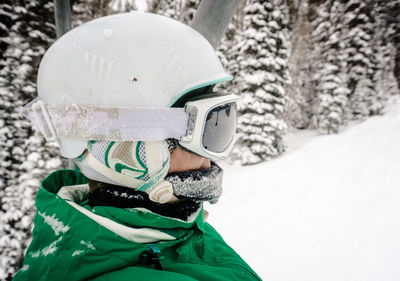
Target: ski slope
pixel 327 210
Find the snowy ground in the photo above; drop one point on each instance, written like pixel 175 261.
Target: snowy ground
pixel 327 210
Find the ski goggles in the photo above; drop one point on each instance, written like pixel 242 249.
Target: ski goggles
pixel 205 126
pixel 212 126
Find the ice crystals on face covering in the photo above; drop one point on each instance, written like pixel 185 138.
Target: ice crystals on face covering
pixel 198 185
pixel 125 195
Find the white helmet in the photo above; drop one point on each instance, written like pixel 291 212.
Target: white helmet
pixel 107 87
pixel 126 60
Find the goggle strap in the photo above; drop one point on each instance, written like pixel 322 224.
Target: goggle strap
pixel 90 122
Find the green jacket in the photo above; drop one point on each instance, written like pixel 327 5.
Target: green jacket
pixel 72 242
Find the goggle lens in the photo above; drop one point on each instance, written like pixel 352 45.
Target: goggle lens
pixel 220 128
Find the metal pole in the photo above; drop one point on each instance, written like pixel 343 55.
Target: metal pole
pixel 212 18
pixel 62 14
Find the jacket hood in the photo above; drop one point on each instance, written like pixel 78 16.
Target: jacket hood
pixel 65 238
pixel 74 242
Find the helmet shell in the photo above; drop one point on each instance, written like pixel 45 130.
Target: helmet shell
pixel 133 59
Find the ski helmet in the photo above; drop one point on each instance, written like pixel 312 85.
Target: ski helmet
pixel 133 59
pixel 102 69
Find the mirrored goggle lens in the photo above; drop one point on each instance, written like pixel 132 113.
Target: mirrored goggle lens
pixel 220 128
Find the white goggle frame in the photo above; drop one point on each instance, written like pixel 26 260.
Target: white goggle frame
pixel 198 111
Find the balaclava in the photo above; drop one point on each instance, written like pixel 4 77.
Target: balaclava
pixel 133 174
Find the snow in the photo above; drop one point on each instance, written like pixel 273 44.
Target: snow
pixel 57 226
pixel 77 253
pixel 326 210
pixel 141 5
pixel 255 79
pixel 88 244
pixel 51 248
pixel 53 163
pixel 48 250
pixel 25 268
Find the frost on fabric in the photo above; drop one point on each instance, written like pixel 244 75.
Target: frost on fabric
pixel 51 248
pixel 199 185
pixel 54 223
pixel 77 253
pixel 46 250
pixel 88 245
pixel 25 268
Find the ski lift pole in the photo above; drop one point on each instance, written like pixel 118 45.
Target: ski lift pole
pixel 62 14
pixel 212 18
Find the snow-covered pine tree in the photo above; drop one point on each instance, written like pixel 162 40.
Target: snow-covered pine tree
pixel 229 53
pixel 12 233
pixel 384 57
pixel 357 58
pixel 330 102
pixel 392 19
pixel 6 14
pixel 122 6
pixel 262 56
pixel 299 93
pixel 169 8
pixel 181 10
pixel 188 11
pixel 359 21
pixel 6 20
pixel 86 10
